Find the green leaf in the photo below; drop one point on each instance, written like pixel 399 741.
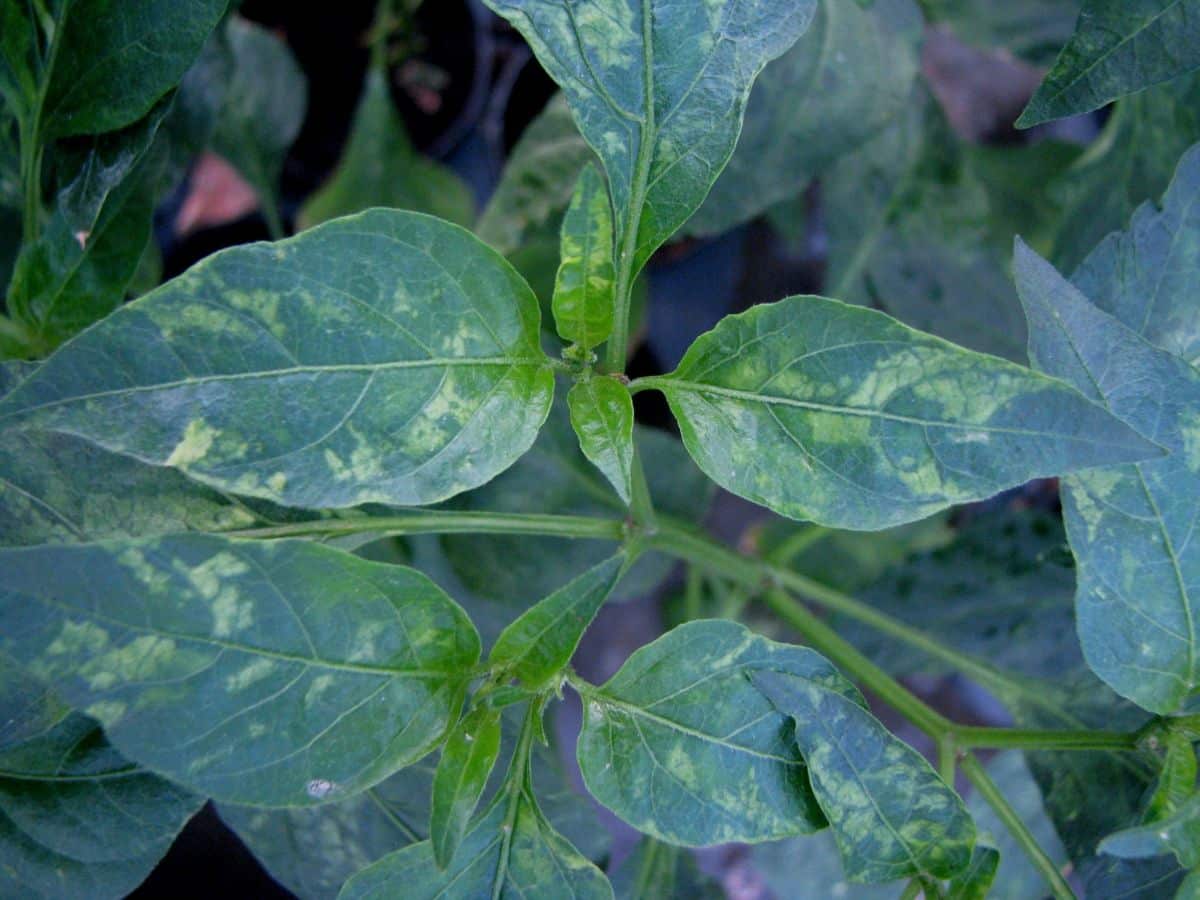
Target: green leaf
pixel 658 90
pixel 681 745
pixel 467 760
pixel 843 416
pixel 975 882
pixel 538 179
pixel 399 342
pixel 263 111
pixel 554 476
pixel 1177 779
pixel 380 167
pixel 540 643
pixel 585 289
pixel 658 871
pixel 19 63
pixel 282 674
pixel 112 60
pixel 1130 526
pixel 76 819
pixel 1146 276
pixel 810 868
pixel 313 850
pixel 891 814
pixel 1111 878
pixel 845 79
pixel 602 416
pixel 1178 833
pixel 1118 48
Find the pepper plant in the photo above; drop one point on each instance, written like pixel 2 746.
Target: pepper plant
pixel 186 483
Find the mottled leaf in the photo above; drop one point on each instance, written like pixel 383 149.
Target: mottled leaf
pixel 113 59
pixel 1177 833
pixel 283 674
pixel 539 644
pixel 263 111
pixel 891 814
pixel 76 819
pixel 585 289
pixel 975 882
pixel 602 416
pixel 658 90
pixel 384 357
pixel 380 167
pixel 1119 47
pixel 462 774
pixel 843 81
pixel 682 746
pixel 1149 276
pixel 1130 527
pixel 658 871
pixel 843 416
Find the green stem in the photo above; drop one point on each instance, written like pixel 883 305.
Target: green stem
pixel 31 178
pixel 973 737
pixel 947 755
pixel 988 790
pixel 912 891
pixel 515 783
pixel 447 522
pixel 269 206
pixel 641 505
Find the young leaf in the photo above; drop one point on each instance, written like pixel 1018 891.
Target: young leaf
pixel 658 90
pixel 681 745
pixel 842 82
pixel 1130 526
pixel 1118 48
pixel 1178 833
pixel 283 674
pixel 113 60
pixel 602 416
pixel 385 357
pixel 658 871
pixel 891 814
pixel 975 882
pixel 462 774
pixel 1146 276
pixel 263 111
pixel 380 167
pixel 540 643
pixel 76 819
pixel 585 288
pixel 845 417
pixel 1176 781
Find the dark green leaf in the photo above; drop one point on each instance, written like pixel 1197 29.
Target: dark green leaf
pixel 843 416
pixel 283 674
pixel 1110 878
pixel 845 79
pixel 585 289
pixel 19 48
pixel 891 814
pixel 1130 527
pixel 540 643
pixel 1118 48
pixel 380 167
pixel 113 59
pixel 462 774
pixel 975 882
pixel 658 871
pixel 1177 833
pixel 385 357
pixel 76 819
pixel 1146 276
pixel 263 110
pixel 683 747
pixel 602 416
pixel 658 90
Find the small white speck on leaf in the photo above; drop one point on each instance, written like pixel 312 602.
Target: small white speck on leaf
pixel 319 788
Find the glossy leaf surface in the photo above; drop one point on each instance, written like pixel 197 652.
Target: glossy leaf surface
pixel 683 747
pixel 283 674
pixel 602 416
pixel 462 774
pixel 892 816
pixel 1119 47
pixel 1130 527
pixel 585 288
pixel 658 90
pixel 369 359
pixel 845 417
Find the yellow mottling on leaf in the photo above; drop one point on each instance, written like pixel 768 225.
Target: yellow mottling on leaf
pixel 197 440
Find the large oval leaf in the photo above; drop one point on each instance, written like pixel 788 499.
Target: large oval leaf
pixel 283 674
pixel 682 746
pixel 385 357
pixel 845 417
pixel 658 89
